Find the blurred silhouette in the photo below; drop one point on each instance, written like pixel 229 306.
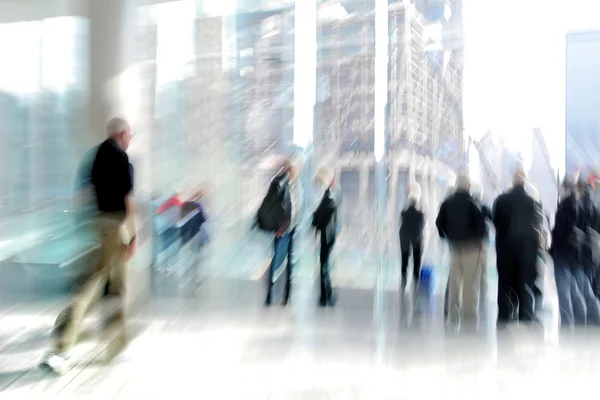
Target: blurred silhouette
pixel 518 219
pixel 325 221
pixel 113 186
pixel 461 222
pixel 574 249
pixel 412 224
pixel 279 214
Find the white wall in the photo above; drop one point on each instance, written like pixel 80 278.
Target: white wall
pixel 31 10
pixel 515 67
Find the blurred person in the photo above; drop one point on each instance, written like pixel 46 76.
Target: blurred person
pixel 112 179
pixel 574 248
pixel 325 221
pixel 412 224
pixel 449 192
pixel 279 214
pixel 565 251
pixel 477 194
pixel 461 222
pixel 589 225
pixel 594 182
pixel 591 193
pixel 518 219
pixel 544 232
pixel 197 225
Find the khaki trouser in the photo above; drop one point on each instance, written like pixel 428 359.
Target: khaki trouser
pixel 111 268
pixel 465 275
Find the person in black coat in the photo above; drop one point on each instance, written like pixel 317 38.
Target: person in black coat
pixel 518 219
pixel 412 224
pixel 574 249
pixel 589 223
pixel 461 222
pixel 325 222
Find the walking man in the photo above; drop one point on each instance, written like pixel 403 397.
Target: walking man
pixel 412 224
pixel 518 220
pixel 112 179
pixel 462 223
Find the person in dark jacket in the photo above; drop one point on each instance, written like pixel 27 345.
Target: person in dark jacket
pixel 325 222
pixel 518 219
pixel 574 249
pixel 412 223
pixel 589 224
pixel 462 223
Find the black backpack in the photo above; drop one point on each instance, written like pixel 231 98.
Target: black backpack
pixel 276 207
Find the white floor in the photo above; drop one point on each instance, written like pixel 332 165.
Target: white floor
pixel 221 344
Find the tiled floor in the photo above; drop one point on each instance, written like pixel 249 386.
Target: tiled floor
pixel 219 343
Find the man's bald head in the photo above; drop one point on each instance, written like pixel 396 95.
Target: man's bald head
pixel 519 178
pixel 119 130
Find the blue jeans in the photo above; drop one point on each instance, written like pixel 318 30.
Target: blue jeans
pixel 283 247
pixel 576 299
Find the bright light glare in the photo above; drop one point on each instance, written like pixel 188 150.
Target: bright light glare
pixel 447 12
pixel 58 53
pixel 219 7
pixel 381 75
pixel 305 71
pixel 20 65
pixel 175 42
pixel 515 69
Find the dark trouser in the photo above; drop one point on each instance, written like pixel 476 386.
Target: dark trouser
pixel 516 262
pixel 406 243
pixel 326 289
pixel 283 247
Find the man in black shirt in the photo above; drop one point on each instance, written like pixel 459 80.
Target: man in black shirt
pixel 518 219
pixel 112 179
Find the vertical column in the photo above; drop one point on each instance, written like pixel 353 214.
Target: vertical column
pixel 111 25
pixel 111 32
pixel 305 71
pixel 219 164
pixel 380 116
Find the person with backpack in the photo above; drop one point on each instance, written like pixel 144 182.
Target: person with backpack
pixel 325 222
pixel 279 215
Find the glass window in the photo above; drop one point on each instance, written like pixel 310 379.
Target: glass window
pixel 43 103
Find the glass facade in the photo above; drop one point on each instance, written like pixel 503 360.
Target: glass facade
pixel 43 105
pixel 247 84
pixel 220 90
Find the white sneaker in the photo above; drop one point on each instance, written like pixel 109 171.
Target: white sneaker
pixel 56 363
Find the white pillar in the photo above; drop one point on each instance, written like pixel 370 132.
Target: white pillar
pixel 111 27
pixel 305 71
